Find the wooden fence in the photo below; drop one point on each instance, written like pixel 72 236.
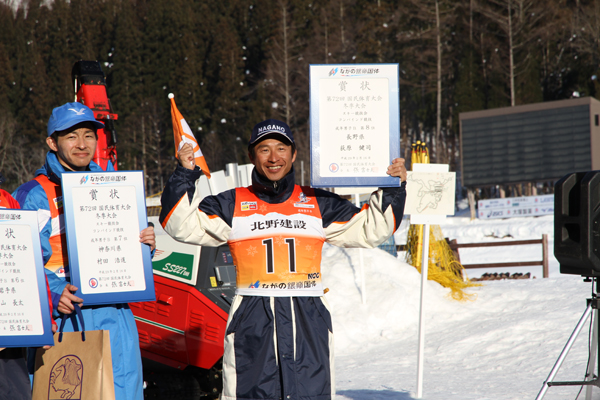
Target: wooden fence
pixel 543 262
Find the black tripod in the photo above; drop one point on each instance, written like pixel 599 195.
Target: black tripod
pixel 591 379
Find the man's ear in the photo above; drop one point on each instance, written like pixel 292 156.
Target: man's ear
pixel 294 156
pixel 251 155
pixel 51 143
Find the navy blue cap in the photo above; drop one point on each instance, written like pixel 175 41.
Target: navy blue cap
pixel 271 128
pixel 69 115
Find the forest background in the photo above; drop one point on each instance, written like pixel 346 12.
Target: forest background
pixel 233 63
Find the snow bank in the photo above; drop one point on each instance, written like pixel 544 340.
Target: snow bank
pixel 500 346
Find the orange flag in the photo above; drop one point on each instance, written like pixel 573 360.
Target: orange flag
pixel 183 134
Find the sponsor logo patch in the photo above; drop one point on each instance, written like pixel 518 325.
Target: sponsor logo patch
pixel 249 205
pixel 58 202
pixel 301 205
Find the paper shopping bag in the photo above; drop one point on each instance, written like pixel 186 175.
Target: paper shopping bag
pixel 78 366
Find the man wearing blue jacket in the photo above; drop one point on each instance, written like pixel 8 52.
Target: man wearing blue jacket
pixel 72 140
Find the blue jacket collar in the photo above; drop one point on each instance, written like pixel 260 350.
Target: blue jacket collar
pixel 53 169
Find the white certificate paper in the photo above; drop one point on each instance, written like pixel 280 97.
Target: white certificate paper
pixel 104 215
pixel 20 311
pixel 24 309
pixel 357 127
pixel 106 222
pixel 354 124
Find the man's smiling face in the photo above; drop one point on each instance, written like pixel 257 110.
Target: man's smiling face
pixel 273 158
pixel 75 147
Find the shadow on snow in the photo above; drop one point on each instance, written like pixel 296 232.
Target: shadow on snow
pixel 374 395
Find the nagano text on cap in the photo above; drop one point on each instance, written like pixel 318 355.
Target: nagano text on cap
pixel 268 128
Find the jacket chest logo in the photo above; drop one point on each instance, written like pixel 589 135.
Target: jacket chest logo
pixel 58 202
pixel 303 201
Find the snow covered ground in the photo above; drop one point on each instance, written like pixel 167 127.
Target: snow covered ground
pixel 503 345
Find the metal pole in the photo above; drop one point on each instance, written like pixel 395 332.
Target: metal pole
pixel 213 191
pixel 424 270
pixel 594 347
pixel 593 354
pixel 232 171
pixel 363 290
pixel 565 351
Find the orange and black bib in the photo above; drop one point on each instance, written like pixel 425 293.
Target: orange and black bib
pixel 277 247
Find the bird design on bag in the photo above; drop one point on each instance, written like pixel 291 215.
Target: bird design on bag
pixel 65 379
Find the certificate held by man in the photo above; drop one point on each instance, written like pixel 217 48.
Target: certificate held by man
pixel 355 124
pixel 104 213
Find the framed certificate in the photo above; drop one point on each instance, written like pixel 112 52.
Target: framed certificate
pixel 354 124
pixel 25 318
pixel 104 215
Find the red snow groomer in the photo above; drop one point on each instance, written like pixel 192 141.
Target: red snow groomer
pixel 90 89
pixel 181 333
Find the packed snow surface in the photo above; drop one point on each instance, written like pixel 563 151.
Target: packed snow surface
pixel 502 345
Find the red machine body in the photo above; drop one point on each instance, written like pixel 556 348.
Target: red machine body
pixel 182 327
pixel 90 89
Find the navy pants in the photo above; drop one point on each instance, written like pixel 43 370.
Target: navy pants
pixel 14 378
pixel 278 348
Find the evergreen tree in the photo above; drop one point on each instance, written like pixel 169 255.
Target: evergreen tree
pixel 125 80
pixel 253 23
pixel 517 25
pixel 56 52
pixel 83 30
pixel 234 63
pixel 469 92
pixel 7 58
pixel 375 19
pixel 227 71
pixel 125 75
pixel 34 101
pixel 469 87
pixel 189 84
pixel 289 56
